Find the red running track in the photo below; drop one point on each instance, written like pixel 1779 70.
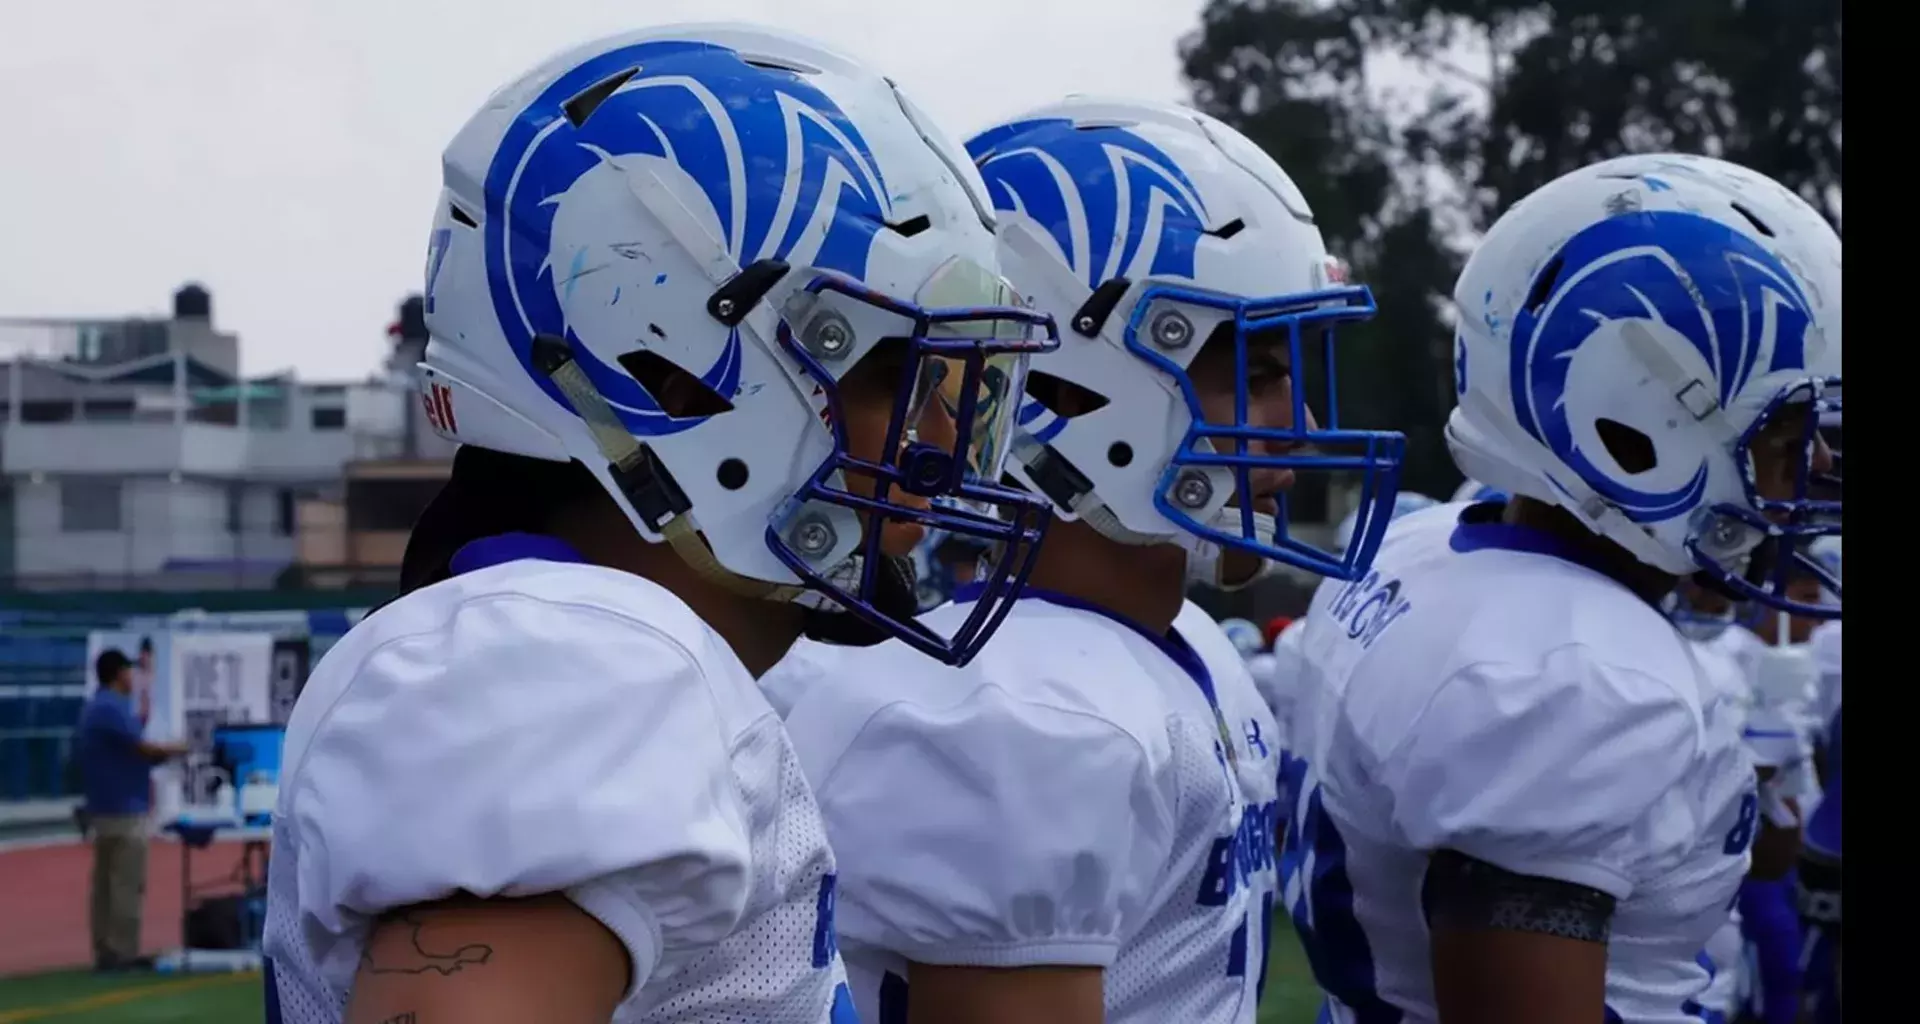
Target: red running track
pixel 43 901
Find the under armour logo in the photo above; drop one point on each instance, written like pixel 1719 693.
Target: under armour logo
pixel 1254 742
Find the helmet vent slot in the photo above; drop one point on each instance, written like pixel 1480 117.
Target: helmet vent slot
pixel 680 394
pixel 582 106
pixel 1631 450
pixel 1543 285
pixel 1758 224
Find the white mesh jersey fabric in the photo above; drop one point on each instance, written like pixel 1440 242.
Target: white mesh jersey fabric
pixel 1200 956
pixel 613 749
pixel 779 966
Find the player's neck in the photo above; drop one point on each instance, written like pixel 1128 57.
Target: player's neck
pixel 1143 585
pixel 1649 583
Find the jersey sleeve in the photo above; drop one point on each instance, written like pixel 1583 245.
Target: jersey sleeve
pixel 515 755
pixel 114 723
pixel 995 833
pixel 1568 769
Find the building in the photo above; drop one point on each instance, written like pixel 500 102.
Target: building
pixel 355 535
pixel 134 453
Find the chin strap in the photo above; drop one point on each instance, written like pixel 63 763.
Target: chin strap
pixel 1204 562
pixel 627 457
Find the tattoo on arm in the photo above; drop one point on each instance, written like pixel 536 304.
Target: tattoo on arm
pixel 1465 893
pixel 408 1017
pixel 416 958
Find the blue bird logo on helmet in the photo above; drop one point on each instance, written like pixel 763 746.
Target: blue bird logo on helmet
pixel 554 178
pixel 1106 195
pixel 1610 272
pixel 691 259
pixel 1653 344
pixel 1189 265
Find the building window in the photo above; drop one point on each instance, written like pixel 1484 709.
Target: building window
pixel 284 512
pixel 46 412
pixel 108 411
pixel 236 507
pixel 89 506
pixel 329 417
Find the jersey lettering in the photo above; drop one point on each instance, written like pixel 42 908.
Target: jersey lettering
pixel 1365 608
pixel 1313 876
pixel 826 945
pixel 1232 863
pixel 1235 859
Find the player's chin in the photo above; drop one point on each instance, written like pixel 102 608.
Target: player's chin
pixel 898 538
pixel 1239 567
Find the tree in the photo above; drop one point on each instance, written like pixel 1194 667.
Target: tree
pixel 1517 93
pixel 1569 82
pixel 1291 75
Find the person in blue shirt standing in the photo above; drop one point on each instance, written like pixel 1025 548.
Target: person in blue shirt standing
pixel 115 764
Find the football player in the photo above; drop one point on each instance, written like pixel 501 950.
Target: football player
pixel 691 290
pixel 1508 803
pixel 1786 674
pixel 1278 676
pixel 1077 827
pixel 1759 694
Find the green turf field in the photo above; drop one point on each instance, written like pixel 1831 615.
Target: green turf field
pixel 80 997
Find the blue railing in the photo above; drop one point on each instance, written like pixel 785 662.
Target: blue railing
pixel 43 664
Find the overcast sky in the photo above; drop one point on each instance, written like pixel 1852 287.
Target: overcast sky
pixel 286 152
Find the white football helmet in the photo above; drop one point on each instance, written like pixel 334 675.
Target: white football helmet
pixel 1151 232
pixel 757 212
pixel 1624 334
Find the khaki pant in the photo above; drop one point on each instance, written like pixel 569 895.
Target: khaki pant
pixel 119 886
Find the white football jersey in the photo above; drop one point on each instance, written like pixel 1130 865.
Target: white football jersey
pixel 1724 956
pixel 545 726
pixel 1257 764
pixel 1071 797
pixel 1477 692
pixel 1281 681
pixel 1825 644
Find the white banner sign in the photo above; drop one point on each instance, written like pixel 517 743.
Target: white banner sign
pixel 219 679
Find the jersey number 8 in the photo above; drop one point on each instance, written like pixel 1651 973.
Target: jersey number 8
pixel 1313 876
